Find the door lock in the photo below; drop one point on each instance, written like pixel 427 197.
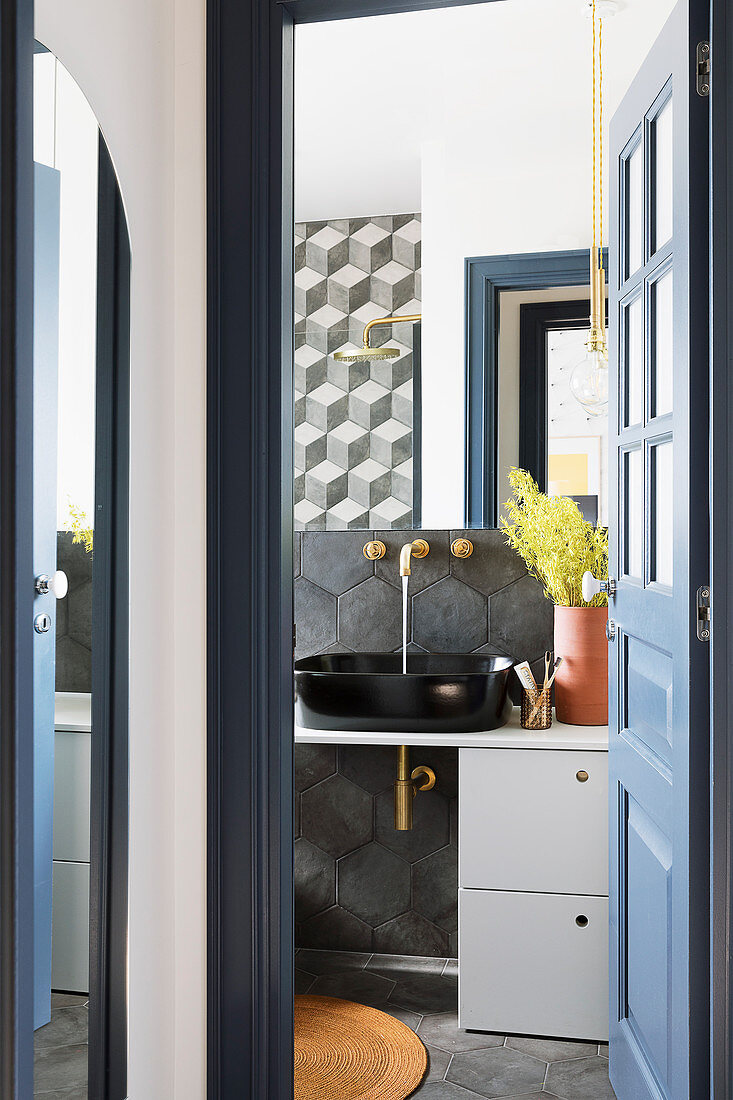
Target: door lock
pixel 610 629
pixel 42 623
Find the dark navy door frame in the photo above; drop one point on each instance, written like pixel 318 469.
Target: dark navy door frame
pixel 249 530
pixel 16 549
pixel 486 277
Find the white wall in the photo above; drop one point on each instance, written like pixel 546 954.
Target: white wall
pixel 141 65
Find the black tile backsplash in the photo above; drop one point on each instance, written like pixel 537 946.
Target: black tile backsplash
pixel 359 884
pixel 74 617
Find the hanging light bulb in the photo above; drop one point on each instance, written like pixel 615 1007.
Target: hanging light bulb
pixel 589 380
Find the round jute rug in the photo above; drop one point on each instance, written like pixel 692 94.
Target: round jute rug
pixel 346 1051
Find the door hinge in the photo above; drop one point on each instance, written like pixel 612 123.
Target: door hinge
pixel 703 613
pixel 703 68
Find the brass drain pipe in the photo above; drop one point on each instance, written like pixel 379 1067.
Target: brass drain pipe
pixel 406 787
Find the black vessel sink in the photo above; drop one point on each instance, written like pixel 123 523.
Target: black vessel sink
pixel 440 693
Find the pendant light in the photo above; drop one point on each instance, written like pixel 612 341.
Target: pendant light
pixel 589 380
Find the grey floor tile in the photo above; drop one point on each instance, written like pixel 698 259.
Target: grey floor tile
pixel 426 993
pixel 438 1062
pixel 303 981
pixel 442 1090
pixel 581 1079
pixel 451 968
pixel 361 986
pixel 68 1000
pixel 398 965
pixel 330 962
pixel 67 1027
pixel 499 1071
pixel 60 1068
pixel 603 1049
pixel 551 1050
pixel 412 1019
pixel 441 1030
pixel 64 1094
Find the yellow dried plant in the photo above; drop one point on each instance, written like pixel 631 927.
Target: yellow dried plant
pixel 78 522
pixel 555 542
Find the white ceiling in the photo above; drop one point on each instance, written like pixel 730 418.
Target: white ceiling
pixel 511 76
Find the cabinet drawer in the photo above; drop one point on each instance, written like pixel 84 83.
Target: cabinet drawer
pixel 71 802
pixel 70 947
pixel 526 822
pixel 525 965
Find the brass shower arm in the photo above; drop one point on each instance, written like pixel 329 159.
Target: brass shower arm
pixel 409 317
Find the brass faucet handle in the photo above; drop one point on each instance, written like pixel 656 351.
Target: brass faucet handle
pixel 374 550
pixel 420 548
pixel 461 548
pixel 429 776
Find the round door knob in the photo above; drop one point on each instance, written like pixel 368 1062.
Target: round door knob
pixel 56 585
pixel 591 587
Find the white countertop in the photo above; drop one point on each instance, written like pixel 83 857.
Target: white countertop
pixel 73 712
pixel 511 736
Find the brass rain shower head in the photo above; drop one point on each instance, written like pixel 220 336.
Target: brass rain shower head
pixel 364 353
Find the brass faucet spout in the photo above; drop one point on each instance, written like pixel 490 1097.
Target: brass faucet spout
pixel 416 549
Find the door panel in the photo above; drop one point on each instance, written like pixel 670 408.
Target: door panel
pixel 659 514
pixel 45 431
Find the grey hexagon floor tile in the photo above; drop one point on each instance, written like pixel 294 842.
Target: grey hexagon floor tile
pixel 335 563
pixel 412 1019
pixel 61 1067
pixel 374 884
pixel 441 1030
pixel 303 981
pixel 67 1026
pixel 581 1079
pixel 426 993
pixel 496 1072
pixel 336 816
pixel 357 985
pixel 438 1062
pixel 401 967
pixel 551 1050
pixel 330 962
pixel 442 1090
pixel 450 617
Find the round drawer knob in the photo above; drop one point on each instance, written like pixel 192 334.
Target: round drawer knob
pixel 582 777
pixel 581 920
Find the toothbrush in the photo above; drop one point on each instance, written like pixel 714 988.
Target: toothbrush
pixel 546 686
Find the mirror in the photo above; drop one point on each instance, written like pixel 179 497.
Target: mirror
pixel 80 381
pixel 405 197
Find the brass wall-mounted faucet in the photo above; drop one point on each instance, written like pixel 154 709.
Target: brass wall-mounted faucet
pixel 417 549
pixel 406 787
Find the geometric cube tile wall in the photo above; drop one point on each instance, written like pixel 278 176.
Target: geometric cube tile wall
pixel 360 885
pixel 353 421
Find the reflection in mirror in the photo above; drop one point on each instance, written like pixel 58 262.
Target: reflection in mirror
pixel 81 353
pixel 386 219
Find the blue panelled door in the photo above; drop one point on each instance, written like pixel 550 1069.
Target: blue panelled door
pixel 45 431
pixel 659 689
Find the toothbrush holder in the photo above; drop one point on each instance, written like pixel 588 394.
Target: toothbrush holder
pixel 536 713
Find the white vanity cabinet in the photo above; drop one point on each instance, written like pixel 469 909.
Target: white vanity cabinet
pixel 71 845
pixel 533 886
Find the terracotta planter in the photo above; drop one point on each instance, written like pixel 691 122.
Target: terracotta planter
pixel 581 684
